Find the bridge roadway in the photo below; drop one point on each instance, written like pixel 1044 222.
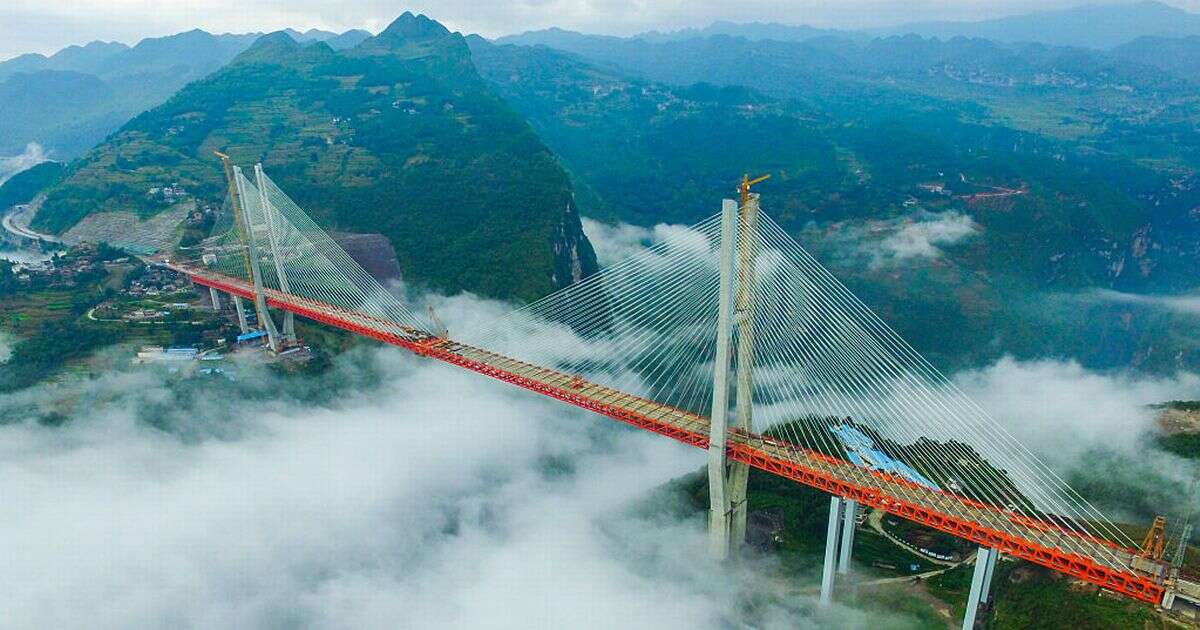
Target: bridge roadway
pixel 1090 559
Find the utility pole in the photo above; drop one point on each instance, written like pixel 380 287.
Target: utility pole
pixel 289 320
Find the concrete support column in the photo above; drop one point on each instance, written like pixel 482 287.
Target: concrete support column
pixel 831 547
pixel 241 314
pixel 847 544
pixel 983 558
pixel 270 218
pixel 718 495
pixel 260 298
pixel 215 298
pixel 739 473
pixel 986 595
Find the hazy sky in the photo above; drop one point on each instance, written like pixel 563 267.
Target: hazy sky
pixel 47 25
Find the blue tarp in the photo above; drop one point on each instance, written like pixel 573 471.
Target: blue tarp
pixel 861 451
pixel 253 334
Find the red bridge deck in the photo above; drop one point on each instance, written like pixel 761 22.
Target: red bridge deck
pixel 1094 560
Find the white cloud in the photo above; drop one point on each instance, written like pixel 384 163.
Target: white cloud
pixel 1060 410
pixel 1096 430
pixel 617 242
pixel 1187 303
pixel 34 154
pixel 885 242
pixel 922 237
pixel 415 495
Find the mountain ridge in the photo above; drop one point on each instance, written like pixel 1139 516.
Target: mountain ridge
pixel 1092 26
pixel 134 78
pixel 397 135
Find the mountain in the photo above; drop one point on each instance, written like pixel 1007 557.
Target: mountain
pixel 1093 26
pixel 1178 57
pixel 1098 26
pixel 349 39
pixel 398 135
pixel 24 186
pixel 336 41
pixel 71 100
pixel 753 31
pixel 899 164
pixel 86 59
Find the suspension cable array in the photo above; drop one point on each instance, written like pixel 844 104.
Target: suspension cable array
pixel 830 376
pixel 295 256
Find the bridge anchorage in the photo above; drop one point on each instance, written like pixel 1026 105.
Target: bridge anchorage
pixel 823 392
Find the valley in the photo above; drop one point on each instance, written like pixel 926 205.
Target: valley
pixel 1024 213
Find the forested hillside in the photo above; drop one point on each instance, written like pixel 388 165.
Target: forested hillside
pixel 397 135
pixel 976 234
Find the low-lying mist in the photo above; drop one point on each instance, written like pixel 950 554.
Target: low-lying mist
pixel 389 492
pixel 392 491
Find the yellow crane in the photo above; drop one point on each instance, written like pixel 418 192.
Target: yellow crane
pixel 1155 542
pixel 746 183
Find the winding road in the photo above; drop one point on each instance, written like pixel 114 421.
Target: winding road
pixel 12 227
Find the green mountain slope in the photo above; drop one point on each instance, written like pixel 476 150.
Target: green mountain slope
pixel 71 100
pixel 974 238
pixel 397 135
pixel 24 186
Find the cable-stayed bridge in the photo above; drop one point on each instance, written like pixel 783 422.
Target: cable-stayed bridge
pixel 726 336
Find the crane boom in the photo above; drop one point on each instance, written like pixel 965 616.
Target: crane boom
pixel 746 183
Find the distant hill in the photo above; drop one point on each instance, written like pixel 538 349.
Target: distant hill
pixel 336 41
pixel 1178 57
pixel 1093 26
pixel 398 135
pixel 1099 26
pixel 71 100
pixel 750 30
pixel 24 186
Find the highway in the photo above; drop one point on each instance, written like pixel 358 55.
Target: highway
pixel 11 225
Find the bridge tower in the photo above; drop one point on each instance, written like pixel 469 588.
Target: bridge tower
pixel 748 245
pixel 718 492
pixel 289 319
pixel 250 253
pixel 727 480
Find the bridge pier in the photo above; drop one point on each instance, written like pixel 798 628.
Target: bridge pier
pixel 836 506
pixel 241 314
pixel 980 580
pixel 986 593
pixel 847 545
pixel 215 298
